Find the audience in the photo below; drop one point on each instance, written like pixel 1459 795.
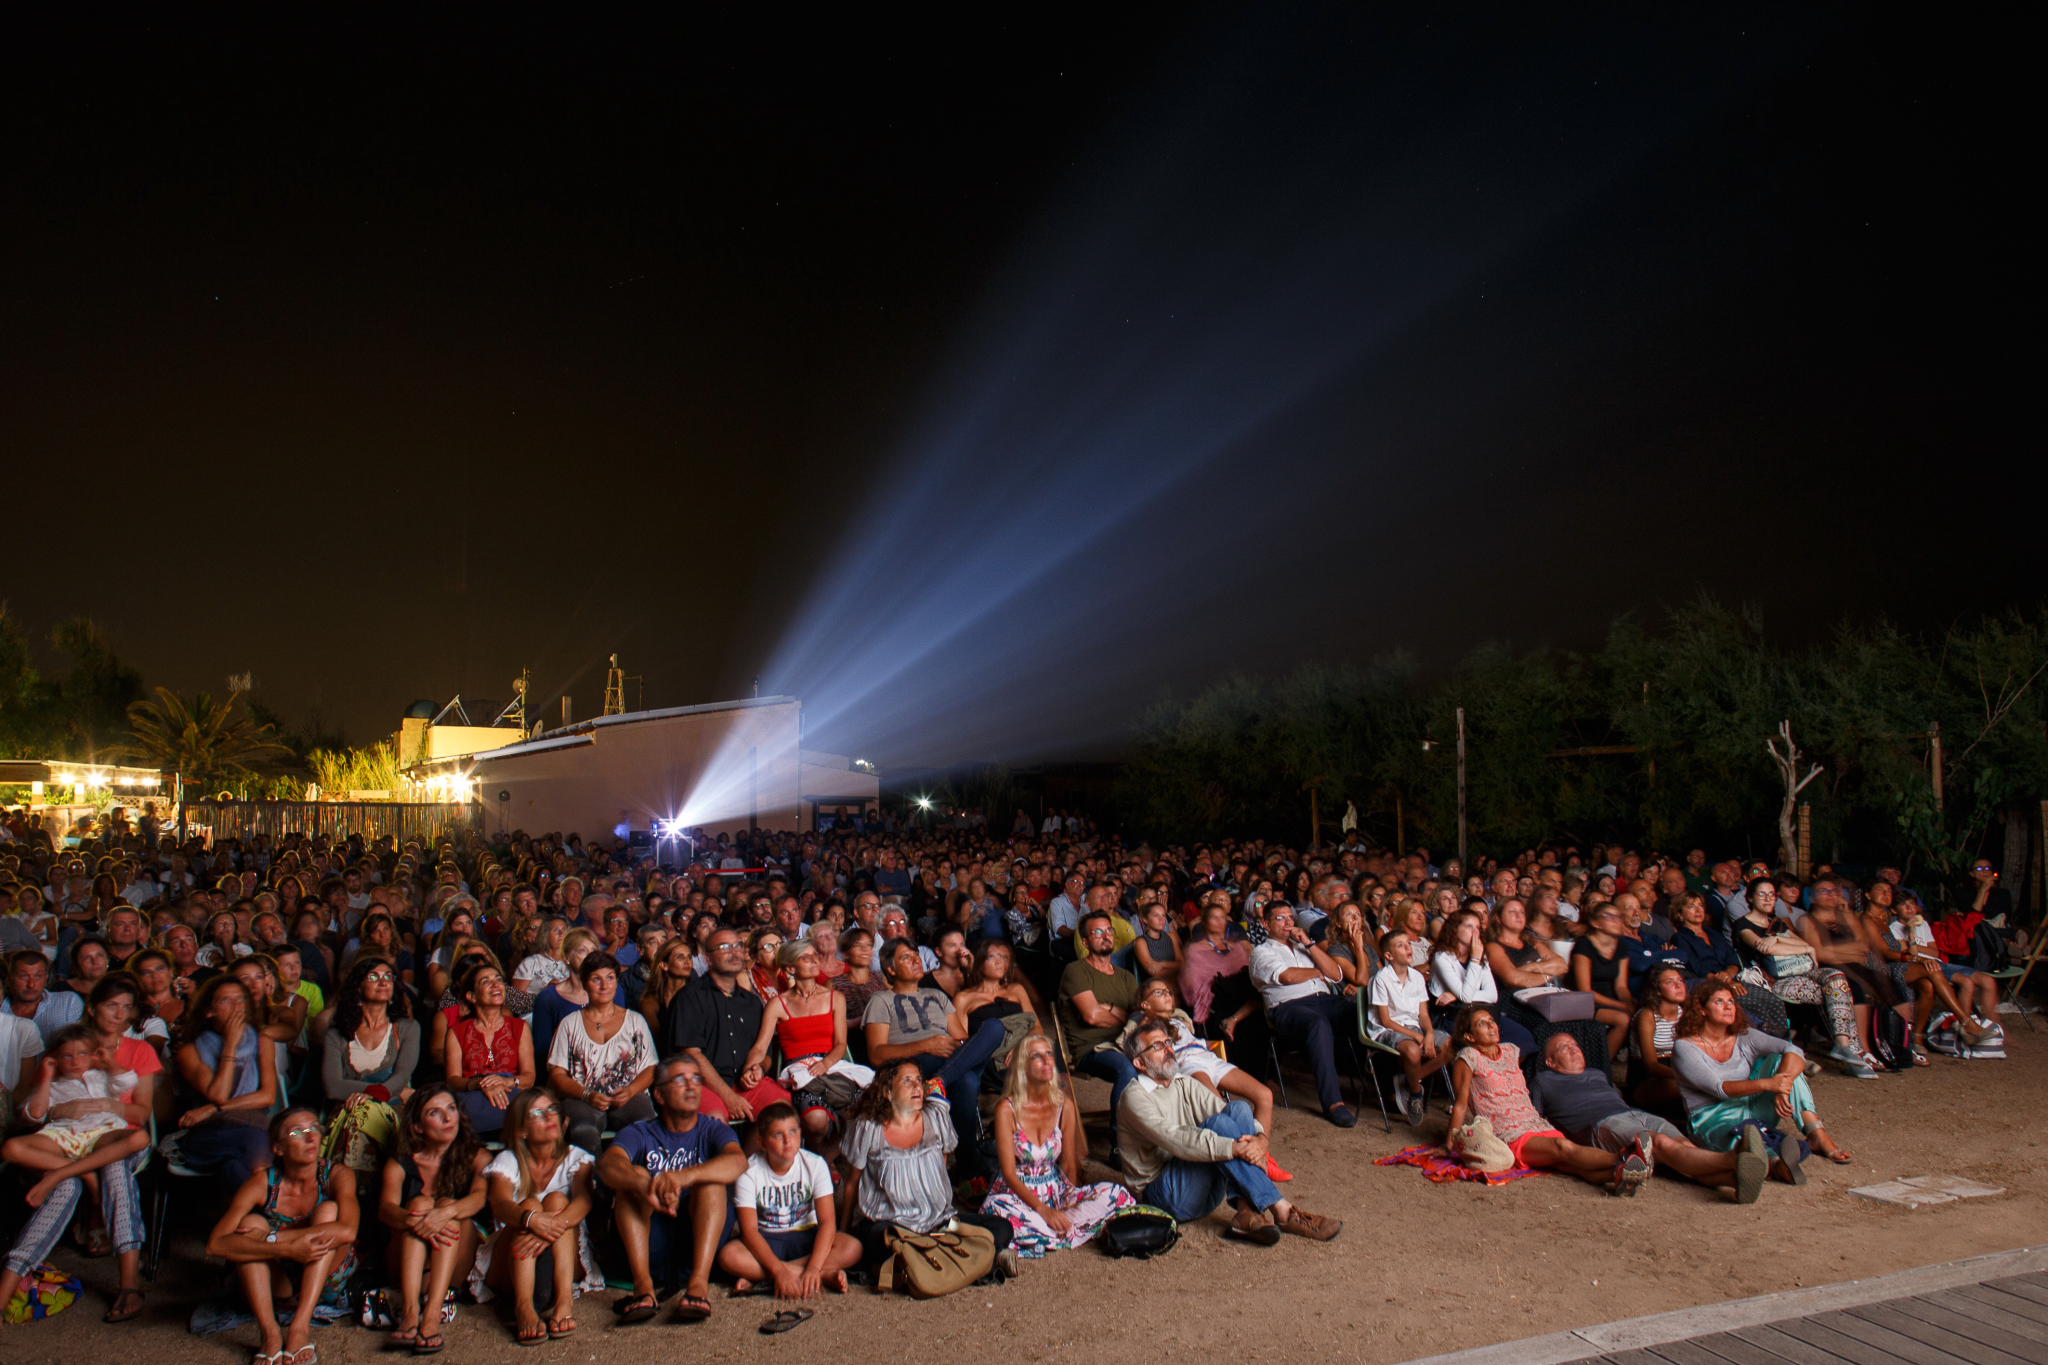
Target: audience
pixel 690 1015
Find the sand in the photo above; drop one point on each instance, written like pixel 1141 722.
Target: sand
pixel 1420 1268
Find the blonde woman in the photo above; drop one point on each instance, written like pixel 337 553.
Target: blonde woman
pixel 1038 1148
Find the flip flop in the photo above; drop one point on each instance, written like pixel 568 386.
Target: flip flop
pixel 429 1346
pixel 639 1308
pixel 534 1335
pixel 692 1308
pixel 117 1313
pixel 755 1290
pixel 403 1337
pixel 787 1320
pixel 561 1327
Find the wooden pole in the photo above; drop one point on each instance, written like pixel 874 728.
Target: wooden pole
pixel 1461 787
pixel 1805 840
pixel 1934 761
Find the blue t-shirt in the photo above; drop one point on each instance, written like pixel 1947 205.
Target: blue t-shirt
pixel 655 1148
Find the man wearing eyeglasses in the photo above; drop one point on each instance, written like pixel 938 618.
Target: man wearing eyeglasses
pixel 715 1020
pixel 1190 1151
pixel 1295 978
pixel 671 1179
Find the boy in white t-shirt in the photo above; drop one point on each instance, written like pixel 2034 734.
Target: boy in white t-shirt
pixel 1399 1004
pixel 789 1229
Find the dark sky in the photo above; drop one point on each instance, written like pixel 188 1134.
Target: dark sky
pixel 1105 350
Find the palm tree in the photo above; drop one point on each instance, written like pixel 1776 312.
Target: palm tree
pixel 207 741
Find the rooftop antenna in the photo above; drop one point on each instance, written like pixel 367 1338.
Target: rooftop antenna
pixel 515 710
pixel 615 689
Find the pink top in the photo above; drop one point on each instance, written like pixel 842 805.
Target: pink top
pixel 1203 966
pixel 1500 1093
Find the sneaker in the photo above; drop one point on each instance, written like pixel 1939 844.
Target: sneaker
pixel 1006 1262
pixel 1854 1062
pixel 1632 1172
pixel 1250 1225
pixel 1301 1223
pixel 1416 1107
pixel 1792 1155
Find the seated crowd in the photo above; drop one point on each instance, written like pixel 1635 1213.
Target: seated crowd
pixel 508 1070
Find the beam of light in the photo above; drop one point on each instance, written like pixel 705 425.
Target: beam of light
pixel 1047 528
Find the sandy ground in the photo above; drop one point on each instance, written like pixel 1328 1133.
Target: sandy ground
pixel 1420 1268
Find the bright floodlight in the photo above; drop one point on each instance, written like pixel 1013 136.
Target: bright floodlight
pixel 924 803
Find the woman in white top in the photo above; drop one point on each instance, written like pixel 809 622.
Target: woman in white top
pixel 1458 966
pixel 602 1059
pixel 540 1198
pixel 546 966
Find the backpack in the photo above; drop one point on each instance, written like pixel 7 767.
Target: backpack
pixel 1989 951
pixel 1142 1231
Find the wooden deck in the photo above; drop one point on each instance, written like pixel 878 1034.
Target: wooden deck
pixel 1993 1322
pixel 1987 1310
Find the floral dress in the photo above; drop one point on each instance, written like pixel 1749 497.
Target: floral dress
pixel 1089 1206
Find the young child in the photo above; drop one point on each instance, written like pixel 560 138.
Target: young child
pixel 789 1229
pixel 1157 1003
pixel 1400 1019
pixel 75 1144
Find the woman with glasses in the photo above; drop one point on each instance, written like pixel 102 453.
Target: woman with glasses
pixel 295 1217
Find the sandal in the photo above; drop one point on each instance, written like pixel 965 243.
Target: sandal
pixel 309 1354
pixel 1916 1056
pixel 127 1307
pixel 639 1308
pixel 403 1337
pixel 755 1290
pixel 692 1308
pixel 786 1320
pixel 533 1334
pixel 428 1345
pixel 95 1243
pixel 561 1327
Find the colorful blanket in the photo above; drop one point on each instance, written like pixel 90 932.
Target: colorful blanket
pixel 1439 1165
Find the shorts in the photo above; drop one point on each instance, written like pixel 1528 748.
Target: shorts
pixel 1202 1062
pixel 1617 1132
pixel 77 1142
pixel 1519 1143
pixel 793 1247
pixel 1394 1040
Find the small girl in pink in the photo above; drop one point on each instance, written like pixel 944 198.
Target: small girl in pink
pixel 1487 1075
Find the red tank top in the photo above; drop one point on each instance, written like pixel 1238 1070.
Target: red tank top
pixel 807 1036
pixel 497 1055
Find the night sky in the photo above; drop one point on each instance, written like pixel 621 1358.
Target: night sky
pixel 1101 352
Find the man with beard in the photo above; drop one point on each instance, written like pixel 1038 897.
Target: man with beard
pixel 1186 1151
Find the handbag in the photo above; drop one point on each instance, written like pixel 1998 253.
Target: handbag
pixel 1479 1148
pixel 1557 1006
pixel 1142 1231
pixel 933 1264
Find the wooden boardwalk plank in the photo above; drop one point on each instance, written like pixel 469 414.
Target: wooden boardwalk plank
pixel 1854 1349
pixel 2002 1307
pixel 1693 1352
pixel 1977 1322
pixel 1900 1345
pixel 1968 1344
pixel 1786 1347
pixel 2022 1286
pixel 1729 1349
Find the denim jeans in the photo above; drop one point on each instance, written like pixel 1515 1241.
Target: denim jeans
pixel 1192 1189
pixel 962 1074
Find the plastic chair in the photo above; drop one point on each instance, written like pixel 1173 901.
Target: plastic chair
pixel 1273 1056
pixel 168 1168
